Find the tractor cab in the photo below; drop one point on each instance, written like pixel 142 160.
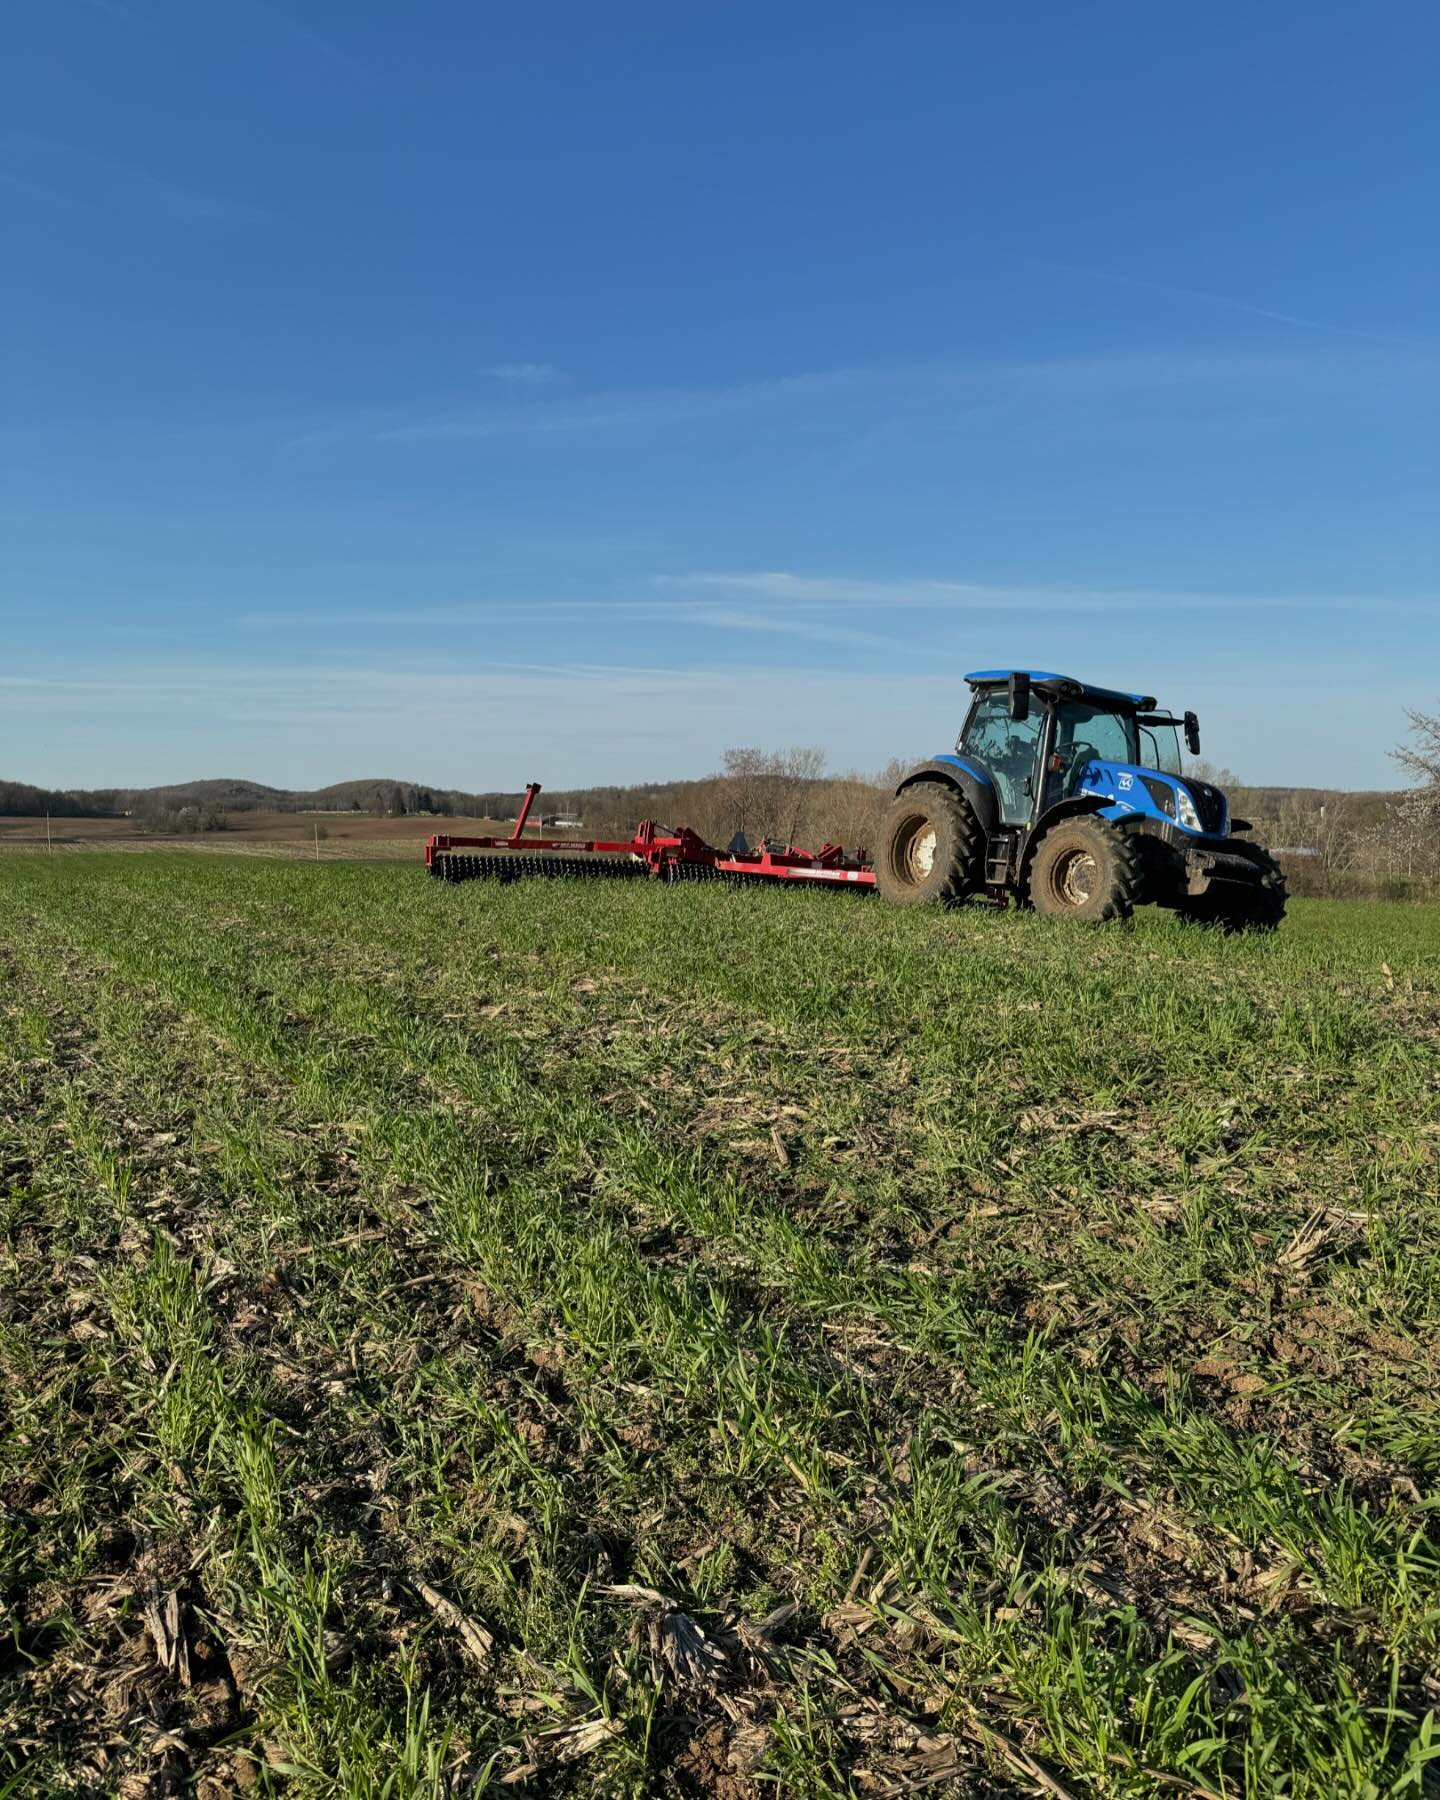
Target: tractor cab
pixel 1045 738
pixel 1073 798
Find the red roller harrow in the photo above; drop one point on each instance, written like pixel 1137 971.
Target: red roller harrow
pixel 654 852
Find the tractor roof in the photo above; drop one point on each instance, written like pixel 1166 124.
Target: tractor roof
pixel 1064 684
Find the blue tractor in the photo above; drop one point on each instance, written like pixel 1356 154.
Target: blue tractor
pixel 1072 799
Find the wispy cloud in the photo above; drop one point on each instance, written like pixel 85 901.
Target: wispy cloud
pixel 659 608
pixel 478 613
pixel 882 594
pixel 802 625
pixel 910 396
pixel 66 172
pixel 841 610
pixel 1205 297
pixel 524 374
pixel 478 722
pixel 791 590
pixel 622 411
pixel 654 613
pixel 484 725
pixel 544 410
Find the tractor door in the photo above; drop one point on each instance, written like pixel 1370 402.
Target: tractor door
pixel 1009 749
pixel 1085 733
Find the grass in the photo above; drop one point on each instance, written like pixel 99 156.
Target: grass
pixel 614 1342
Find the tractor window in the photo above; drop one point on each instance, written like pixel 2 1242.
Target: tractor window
pixel 1007 747
pixel 1160 748
pixel 1085 733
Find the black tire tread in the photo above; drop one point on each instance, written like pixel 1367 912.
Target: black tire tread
pixel 1260 908
pixel 964 874
pixel 1127 883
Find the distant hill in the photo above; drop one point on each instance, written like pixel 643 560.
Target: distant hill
pixel 233 794
pixel 610 807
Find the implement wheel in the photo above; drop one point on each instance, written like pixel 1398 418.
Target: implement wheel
pixel 1085 869
pixel 930 847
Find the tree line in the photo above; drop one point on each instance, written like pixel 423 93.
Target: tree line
pixel 1378 846
pixel 1330 842
pixel 19 799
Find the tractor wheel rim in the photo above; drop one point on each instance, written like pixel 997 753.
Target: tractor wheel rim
pixel 1075 877
pixel 921 855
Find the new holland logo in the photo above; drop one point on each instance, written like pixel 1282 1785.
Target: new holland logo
pixel 1127 781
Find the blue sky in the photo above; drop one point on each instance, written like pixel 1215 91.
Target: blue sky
pixel 471 392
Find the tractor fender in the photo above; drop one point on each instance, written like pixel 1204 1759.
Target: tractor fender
pixel 968 779
pixel 1074 807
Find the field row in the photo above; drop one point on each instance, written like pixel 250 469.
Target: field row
pixel 638 1342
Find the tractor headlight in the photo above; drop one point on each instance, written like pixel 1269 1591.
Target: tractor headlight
pixel 1185 810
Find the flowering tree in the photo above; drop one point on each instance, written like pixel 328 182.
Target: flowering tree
pixel 1415 815
pixel 1422 756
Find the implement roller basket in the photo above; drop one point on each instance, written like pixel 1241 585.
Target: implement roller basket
pixel 654 853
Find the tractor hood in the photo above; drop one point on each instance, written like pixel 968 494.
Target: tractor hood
pixel 1194 806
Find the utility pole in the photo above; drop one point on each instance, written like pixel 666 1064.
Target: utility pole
pixel 49 847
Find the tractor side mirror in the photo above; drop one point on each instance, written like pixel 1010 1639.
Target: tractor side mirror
pixel 1019 695
pixel 1192 734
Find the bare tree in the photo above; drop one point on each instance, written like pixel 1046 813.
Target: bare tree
pixel 1322 840
pixel 1336 844
pixel 1403 846
pixel 1422 757
pixel 1202 769
pixel 847 809
pixel 794 773
pixel 746 773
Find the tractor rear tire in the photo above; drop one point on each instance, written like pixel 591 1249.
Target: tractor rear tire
pixel 1258 908
pixel 1085 869
pixel 930 847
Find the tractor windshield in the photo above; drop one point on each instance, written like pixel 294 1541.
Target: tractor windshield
pixel 1160 748
pixel 1085 733
pixel 1085 730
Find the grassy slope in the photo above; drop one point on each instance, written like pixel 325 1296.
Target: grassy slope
pixel 1051 1316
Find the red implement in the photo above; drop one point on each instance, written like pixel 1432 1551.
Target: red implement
pixel 655 851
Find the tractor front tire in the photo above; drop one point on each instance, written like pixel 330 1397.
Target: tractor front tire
pixel 1257 908
pixel 930 847
pixel 1085 869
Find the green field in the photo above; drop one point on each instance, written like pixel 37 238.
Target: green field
pixel 612 1340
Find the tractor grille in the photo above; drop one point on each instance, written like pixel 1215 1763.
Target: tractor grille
pixel 1209 803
